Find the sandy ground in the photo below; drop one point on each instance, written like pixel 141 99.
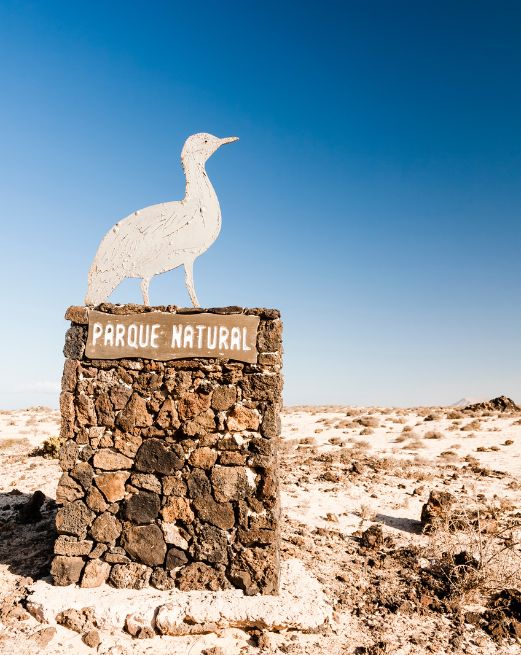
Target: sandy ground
pixel 342 470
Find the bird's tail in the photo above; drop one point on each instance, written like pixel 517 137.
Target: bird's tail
pixel 101 285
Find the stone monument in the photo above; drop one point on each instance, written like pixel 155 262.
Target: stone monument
pixel 170 420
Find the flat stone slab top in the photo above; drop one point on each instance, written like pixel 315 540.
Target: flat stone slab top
pixel 301 605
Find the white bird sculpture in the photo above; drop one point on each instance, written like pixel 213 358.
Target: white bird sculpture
pixel 161 237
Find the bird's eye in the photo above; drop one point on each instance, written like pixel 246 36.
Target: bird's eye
pixel 206 140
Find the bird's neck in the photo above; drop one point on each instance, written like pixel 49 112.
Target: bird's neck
pixel 198 185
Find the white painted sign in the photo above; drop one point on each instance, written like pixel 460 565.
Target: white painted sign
pixel 163 336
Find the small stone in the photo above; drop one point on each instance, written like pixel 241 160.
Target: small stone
pixel 223 398
pixel 198 484
pixel 145 543
pixel 230 483
pixel 175 558
pixel 95 574
pixel 218 514
pixel 167 417
pixel 155 457
pixel 203 458
pixel 104 410
pixel 212 545
pixel 199 576
pixel 91 638
pixel 68 414
pixel 130 576
pixel 97 551
pixel 177 509
pixel 146 481
pixel 74 519
pixel 83 474
pixel 85 410
pixel 269 338
pixel 161 580
pixel 77 314
pixel 68 455
pixel 135 414
pixel 201 424
pixel 127 443
pixel 66 570
pixel 261 386
pixel 119 396
pixel 70 375
pixel 173 486
pixel 232 458
pixel 44 636
pixel 256 537
pixel 270 426
pixel 437 509
pixel 74 342
pixel 112 485
pixel 65 545
pixel 138 626
pixel 106 528
pixel 173 535
pixel 242 418
pixel 77 620
pixel 142 507
pixel 95 501
pixel 192 404
pixel 110 460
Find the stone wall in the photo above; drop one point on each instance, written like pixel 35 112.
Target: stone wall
pixel 170 468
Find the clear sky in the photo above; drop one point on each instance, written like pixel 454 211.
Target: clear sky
pixel 374 195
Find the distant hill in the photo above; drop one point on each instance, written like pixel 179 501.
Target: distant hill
pixel 499 404
pixel 463 402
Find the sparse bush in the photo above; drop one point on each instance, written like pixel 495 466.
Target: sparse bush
pixel 50 448
pixel 433 434
pixel 470 427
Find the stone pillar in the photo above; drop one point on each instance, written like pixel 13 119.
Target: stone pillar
pixel 170 468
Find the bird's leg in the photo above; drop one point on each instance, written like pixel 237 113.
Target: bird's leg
pixel 189 281
pixel 144 290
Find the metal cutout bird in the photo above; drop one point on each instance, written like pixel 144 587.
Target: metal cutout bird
pixel 162 237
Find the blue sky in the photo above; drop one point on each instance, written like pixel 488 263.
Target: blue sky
pixel 374 195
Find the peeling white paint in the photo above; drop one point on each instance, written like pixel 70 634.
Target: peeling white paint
pixel 162 237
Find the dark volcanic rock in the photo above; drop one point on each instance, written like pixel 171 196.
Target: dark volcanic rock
pixel 142 507
pixel 155 457
pixel 145 543
pixel 499 404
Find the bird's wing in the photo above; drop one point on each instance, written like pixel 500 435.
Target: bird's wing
pixel 137 243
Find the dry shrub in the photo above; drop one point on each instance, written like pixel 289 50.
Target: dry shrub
pixel 368 421
pixel 455 414
pixel 366 512
pixel 366 432
pixel 476 550
pixel 50 448
pixel 433 434
pixel 470 427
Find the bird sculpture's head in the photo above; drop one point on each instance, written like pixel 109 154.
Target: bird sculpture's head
pixel 199 147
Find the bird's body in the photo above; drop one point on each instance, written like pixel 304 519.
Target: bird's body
pixel 162 237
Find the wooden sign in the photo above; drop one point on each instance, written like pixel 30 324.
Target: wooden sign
pixel 162 336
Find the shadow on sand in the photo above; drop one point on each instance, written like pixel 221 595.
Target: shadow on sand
pixel 398 523
pixel 26 547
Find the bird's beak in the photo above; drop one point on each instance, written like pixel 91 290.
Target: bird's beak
pixel 229 139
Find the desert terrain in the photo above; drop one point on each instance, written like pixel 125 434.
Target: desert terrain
pixel 402 575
